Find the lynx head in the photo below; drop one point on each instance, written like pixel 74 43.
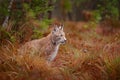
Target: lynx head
pixel 58 35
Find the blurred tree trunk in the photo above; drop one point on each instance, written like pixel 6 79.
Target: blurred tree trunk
pixel 5 23
pixel 76 11
pixel 57 10
pixel 119 8
pixel 50 3
pixel 87 5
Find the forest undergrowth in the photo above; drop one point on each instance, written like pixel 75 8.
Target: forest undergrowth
pixel 89 54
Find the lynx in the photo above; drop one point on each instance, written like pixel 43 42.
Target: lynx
pixel 47 46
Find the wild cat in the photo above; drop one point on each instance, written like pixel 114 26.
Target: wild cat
pixel 47 46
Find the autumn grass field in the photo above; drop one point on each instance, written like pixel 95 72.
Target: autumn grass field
pixel 89 54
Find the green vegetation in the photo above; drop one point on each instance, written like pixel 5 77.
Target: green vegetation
pixel 92 28
pixel 31 16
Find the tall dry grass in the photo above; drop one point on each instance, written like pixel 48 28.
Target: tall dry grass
pixel 86 56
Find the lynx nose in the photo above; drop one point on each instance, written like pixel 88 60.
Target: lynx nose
pixel 65 40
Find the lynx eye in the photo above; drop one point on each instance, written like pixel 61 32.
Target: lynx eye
pixel 61 35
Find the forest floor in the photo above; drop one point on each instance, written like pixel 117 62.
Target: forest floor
pixel 91 53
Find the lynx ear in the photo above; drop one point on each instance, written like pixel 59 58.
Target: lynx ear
pixel 55 28
pixel 61 27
